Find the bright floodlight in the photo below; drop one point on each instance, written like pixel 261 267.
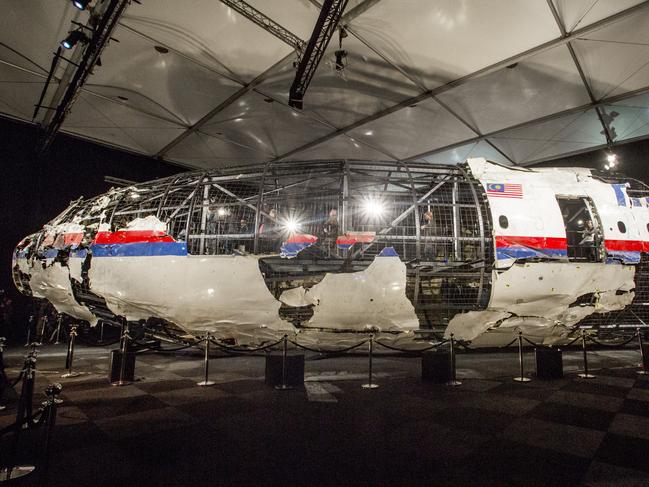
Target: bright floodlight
pixel 612 159
pixel 291 225
pixel 71 40
pixel 373 207
pixel 221 211
pixel 80 4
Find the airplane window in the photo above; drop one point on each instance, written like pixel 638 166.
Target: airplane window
pixel 621 227
pixel 504 223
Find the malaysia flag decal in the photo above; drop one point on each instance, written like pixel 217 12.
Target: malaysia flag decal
pixel 505 190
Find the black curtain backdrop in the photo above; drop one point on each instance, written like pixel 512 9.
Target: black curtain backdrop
pixel 34 190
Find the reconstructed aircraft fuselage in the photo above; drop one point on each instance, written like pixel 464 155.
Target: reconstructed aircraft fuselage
pixel 332 248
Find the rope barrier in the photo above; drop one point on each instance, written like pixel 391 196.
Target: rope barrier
pixel 243 350
pixel 341 350
pixel 614 345
pixel 405 350
pixel 534 344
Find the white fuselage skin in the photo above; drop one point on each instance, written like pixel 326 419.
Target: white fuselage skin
pixel 227 294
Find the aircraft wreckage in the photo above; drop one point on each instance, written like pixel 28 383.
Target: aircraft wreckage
pixel 334 248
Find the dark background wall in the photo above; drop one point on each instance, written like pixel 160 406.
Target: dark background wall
pixel 34 190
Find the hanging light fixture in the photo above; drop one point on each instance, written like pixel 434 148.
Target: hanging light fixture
pixel 81 4
pixel 73 38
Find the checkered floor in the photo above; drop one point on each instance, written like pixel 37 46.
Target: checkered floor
pixel 164 430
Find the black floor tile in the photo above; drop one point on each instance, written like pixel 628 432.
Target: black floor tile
pixel 624 451
pixel 572 415
pixel 502 462
pixel 583 385
pixel 165 385
pixel 107 408
pixel 633 406
pixel 472 419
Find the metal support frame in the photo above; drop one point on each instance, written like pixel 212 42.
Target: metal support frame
pixel 266 23
pixel 101 34
pixel 606 128
pixel 322 33
pixel 481 72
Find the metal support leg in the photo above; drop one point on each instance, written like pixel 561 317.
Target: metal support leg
pixel 207 381
pixel 370 349
pixel 29 330
pixel 49 412
pixel 123 351
pixel 453 381
pixel 644 370
pixel 284 386
pixel 101 332
pixel 585 374
pixel 58 329
pixel 521 378
pixel 70 357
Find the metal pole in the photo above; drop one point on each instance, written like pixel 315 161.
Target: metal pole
pixel 70 356
pixel 51 407
pixel 585 374
pixel 24 408
pixel 370 347
pixel 123 352
pixel 101 332
pixel 29 329
pixel 453 381
pixel 284 386
pixel 207 381
pixel 644 370
pixel 58 329
pixel 521 378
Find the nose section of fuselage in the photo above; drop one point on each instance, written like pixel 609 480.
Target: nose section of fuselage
pixel 19 263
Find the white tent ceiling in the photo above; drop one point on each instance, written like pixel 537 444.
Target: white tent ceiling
pixel 517 81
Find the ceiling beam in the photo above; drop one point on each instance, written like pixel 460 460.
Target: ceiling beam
pixel 481 72
pixel 559 21
pixel 266 23
pixel 101 28
pixel 582 108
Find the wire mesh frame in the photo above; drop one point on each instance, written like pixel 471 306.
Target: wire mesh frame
pixel 382 204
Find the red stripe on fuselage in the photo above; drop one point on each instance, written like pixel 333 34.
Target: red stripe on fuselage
pixel 561 243
pixel 132 236
pixel 534 242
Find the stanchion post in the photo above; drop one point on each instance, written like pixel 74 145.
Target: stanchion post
pixel 585 374
pixel 370 349
pixel 23 409
pixel 123 351
pixel 29 330
pixel 644 370
pixel 101 332
pixel 58 328
pixel 284 386
pixel 49 412
pixel 521 378
pixel 206 381
pixel 453 381
pixel 70 356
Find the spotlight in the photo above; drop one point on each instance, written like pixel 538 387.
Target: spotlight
pixel 221 211
pixel 373 207
pixel 134 196
pixel 611 158
pixel 607 167
pixel 291 225
pixel 80 4
pixel 71 40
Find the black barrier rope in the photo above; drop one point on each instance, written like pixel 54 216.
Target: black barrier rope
pixel 534 344
pixel 613 345
pixel 244 350
pixel 405 350
pixel 341 350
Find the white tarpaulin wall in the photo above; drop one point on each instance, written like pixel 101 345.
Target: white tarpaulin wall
pixel 515 81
